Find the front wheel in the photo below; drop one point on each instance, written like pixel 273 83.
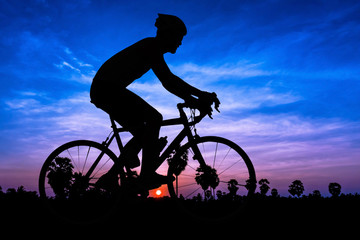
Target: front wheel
pixel 223 176
pixel 67 181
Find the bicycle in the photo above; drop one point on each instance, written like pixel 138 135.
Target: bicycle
pixel 200 166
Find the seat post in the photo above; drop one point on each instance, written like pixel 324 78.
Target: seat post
pixel 117 135
pixel 113 124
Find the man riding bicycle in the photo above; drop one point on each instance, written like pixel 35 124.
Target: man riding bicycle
pixel 109 92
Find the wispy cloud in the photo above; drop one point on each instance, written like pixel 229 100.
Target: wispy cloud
pixel 209 73
pixel 75 59
pixel 277 125
pixel 79 70
pixel 246 98
pixel 31 104
pixel 234 97
pixel 66 64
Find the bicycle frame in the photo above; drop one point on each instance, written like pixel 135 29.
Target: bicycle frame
pixel 185 132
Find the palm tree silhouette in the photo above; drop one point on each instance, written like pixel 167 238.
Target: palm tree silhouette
pixel 232 187
pixel 334 189
pixel 274 193
pixel 296 188
pixel 206 177
pixel 264 187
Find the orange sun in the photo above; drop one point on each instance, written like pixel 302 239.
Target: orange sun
pixel 158 192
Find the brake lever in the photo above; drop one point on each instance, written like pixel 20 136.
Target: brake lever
pixel 216 102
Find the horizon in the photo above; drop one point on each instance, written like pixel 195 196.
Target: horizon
pixel 286 73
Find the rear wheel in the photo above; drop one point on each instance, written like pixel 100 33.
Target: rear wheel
pixel 219 186
pixel 67 181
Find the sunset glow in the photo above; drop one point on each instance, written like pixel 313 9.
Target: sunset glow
pixel 158 192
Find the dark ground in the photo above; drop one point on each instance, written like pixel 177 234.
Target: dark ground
pixel 263 216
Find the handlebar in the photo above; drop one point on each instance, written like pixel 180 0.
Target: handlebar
pixel 183 117
pixel 182 105
pixel 204 103
pixel 196 119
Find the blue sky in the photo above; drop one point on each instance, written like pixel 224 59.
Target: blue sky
pixel 286 72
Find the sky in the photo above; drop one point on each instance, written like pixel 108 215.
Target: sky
pixel 286 73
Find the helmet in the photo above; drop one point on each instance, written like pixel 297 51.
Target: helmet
pixel 170 23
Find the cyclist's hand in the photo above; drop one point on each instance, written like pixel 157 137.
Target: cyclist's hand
pixel 206 100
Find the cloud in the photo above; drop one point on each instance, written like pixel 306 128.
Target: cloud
pixel 238 70
pixel 152 87
pixel 277 126
pixel 68 51
pixel 235 97
pixel 66 64
pixel 47 122
pixel 75 59
pixel 33 104
pixel 81 64
pixel 79 70
pixel 30 106
pixel 246 98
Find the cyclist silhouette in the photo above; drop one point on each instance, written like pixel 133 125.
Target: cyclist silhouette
pixel 109 92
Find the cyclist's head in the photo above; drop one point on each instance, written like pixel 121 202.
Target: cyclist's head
pixel 170 24
pixel 171 30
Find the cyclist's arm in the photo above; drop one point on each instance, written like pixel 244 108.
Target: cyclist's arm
pixel 173 83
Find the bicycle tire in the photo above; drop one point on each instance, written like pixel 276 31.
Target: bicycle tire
pixel 186 188
pixel 64 205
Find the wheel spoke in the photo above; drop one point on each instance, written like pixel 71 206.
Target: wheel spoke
pixel 224 158
pixel 72 159
pixel 217 144
pixel 191 167
pixel 193 192
pixel 102 166
pixel 78 155
pixel 187 185
pixel 228 167
pixel 87 155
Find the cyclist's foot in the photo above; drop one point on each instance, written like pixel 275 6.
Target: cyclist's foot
pixel 108 182
pixel 155 180
pixel 132 162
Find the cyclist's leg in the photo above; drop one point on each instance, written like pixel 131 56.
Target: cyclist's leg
pixel 143 122
pixel 130 153
pixel 150 141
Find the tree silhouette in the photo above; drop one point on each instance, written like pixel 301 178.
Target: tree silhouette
pixel 250 184
pixel 232 187
pixel 334 189
pixel 60 176
pixel 296 188
pixel 264 187
pixel 208 195
pixel 315 194
pixel 11 192
pixel 219 194
pixel 206 177
pixel 178 161
pixel 274 193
